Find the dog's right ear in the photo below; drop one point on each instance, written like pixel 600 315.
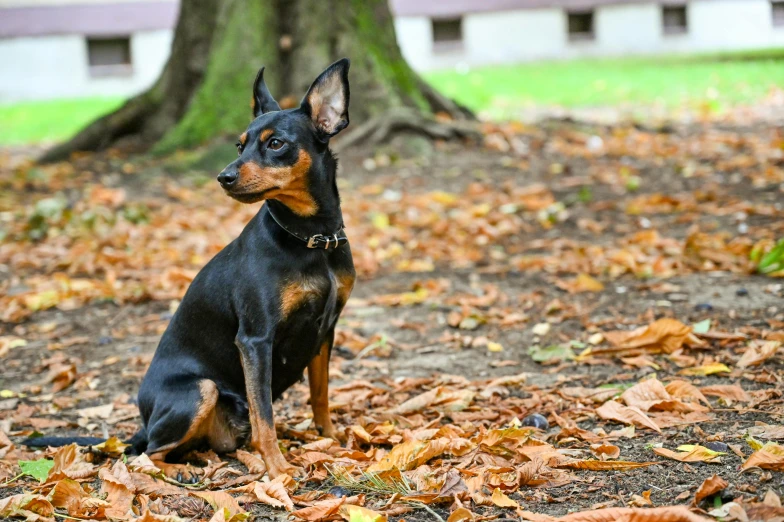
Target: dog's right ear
pixel 263 101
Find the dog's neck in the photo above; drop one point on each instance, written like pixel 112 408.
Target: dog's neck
pixel 328 218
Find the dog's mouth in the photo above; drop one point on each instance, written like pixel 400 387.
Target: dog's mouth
pixel 249 197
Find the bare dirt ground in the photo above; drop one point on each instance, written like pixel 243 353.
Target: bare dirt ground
pixel 469 256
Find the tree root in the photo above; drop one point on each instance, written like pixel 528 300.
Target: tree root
pixel 403 120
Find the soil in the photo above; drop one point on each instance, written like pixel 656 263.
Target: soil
pixel 416 334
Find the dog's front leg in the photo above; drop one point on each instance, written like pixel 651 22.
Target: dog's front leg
pixel 256 357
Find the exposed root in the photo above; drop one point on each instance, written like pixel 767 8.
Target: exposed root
pixel 402 120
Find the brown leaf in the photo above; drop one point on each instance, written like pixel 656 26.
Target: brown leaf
pixel 709 486
pixel 686 390
pixel 254 463
pixel 614 410
pixel 758 352
pixel 726 391
pixel 768 431
pixel 596 465
pixel 461 514
pixel 69 462
pixel 119 489
pixel 663 336
pixel 660 514
pixel 605 451
pixel 274 493
pixel 650 394
pixel 320 510
pixel 770 456
pixel 32 507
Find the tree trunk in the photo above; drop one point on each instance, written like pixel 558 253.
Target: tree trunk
pixel 219 45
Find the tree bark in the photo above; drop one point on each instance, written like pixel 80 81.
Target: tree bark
pixel 219 46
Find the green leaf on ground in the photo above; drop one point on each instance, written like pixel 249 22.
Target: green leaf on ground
pixel 560 352
pixel 773 261
pixel 38 469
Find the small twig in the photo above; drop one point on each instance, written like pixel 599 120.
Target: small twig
pixel 14 479
pixel 427 508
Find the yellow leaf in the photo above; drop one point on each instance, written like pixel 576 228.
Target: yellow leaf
pixel 354 513
pixel 690 454
pixel 495 347
pixel 708 369
pixel 501 500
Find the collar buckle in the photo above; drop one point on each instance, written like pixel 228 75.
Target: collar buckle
pixel 313 239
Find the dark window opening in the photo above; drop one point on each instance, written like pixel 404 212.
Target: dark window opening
pixel 580 26
pixel 674 20
pixel 778 13
pixel 447 33
pixel 109 56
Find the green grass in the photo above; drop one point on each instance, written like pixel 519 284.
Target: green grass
pixel 719 79
pixel 46 121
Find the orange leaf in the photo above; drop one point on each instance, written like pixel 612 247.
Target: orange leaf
pixel 254 463
pixel 660 514
pixel 603 465
pixel 650 394
pixel 461 514
pixel 665 335
pixel 320 510
pixel 605 451
pixel 710 486
pixel 274 493
pixel 614 410
pixel 770 456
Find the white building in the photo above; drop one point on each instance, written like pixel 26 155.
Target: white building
pixel 442 34
pixel 79 48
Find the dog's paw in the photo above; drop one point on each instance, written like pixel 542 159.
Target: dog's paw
pixel 182 473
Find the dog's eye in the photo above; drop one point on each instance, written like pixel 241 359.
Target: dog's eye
pixel 239 148
pixel 275 144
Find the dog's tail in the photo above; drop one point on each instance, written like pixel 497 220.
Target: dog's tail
pixel 138 443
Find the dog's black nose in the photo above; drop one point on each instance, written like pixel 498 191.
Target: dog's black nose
pixel 227 177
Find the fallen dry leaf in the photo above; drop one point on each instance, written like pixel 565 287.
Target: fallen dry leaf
pixel 663 336
pixel 320 510
pixel 770 457
pixel 354 513
pixel 659 514
pixel 614 410
pixel 709 486
pixel 501 500
pixel 758 352
pixel 692 454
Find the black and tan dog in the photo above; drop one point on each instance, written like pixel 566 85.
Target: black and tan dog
pixel 264 308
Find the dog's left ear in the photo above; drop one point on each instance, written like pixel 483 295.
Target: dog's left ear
pixel 262 99
pixel 327 100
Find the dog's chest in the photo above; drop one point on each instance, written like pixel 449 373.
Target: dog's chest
pixel 309 307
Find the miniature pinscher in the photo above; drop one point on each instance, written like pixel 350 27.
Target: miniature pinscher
pixel 265 307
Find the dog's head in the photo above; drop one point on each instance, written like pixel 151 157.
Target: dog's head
pixel 281 151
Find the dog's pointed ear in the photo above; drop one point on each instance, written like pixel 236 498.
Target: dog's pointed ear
pixel 262 99
pixel 327 100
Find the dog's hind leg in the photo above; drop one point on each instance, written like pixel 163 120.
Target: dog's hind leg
pixel 186 413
